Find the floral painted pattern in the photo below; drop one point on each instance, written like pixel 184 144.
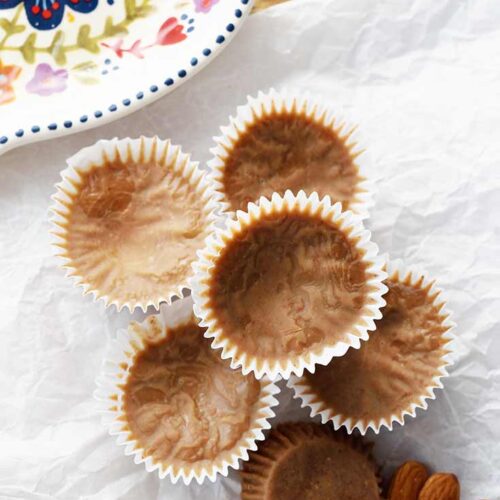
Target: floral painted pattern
pixel 47 81
pixel 201 5
pixel 48 14
pixel 44 79
pixel 170 32
pixel 7 76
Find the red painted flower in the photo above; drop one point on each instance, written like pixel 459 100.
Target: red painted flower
pixel 170 32
pixel 7 75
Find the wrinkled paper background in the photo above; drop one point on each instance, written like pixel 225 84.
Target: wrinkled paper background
pixel 422 80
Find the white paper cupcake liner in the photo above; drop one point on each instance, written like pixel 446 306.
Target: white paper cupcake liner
pixel 99 155
pixel 396 270
pixel 347 222
pixel 110 397
pixel 274 101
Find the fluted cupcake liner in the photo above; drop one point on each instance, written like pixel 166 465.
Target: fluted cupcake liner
pixel 110 396
pixel 349 224
pixel 397 271
pixel 184 175
pixel 281 445
pixel 265 104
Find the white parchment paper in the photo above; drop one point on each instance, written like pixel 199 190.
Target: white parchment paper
pixel 422 79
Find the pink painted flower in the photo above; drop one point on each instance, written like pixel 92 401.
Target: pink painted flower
pixel 47 81
pixel 135 49
pixel 7 75
pixel 204 5
pixel 116 47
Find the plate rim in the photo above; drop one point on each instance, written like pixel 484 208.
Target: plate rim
pixel 128 105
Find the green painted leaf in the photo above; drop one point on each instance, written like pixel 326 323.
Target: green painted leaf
pixel 10 27
pixel 87 80
pixel 145 9
pixel 130 9
pixel 28 48
pixel 18 28
pixel 6 25
pixel 57 49
pixel 111 29
pixel 84 40
pixel 85 66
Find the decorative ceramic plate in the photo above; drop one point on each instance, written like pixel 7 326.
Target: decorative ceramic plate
pixel 68 64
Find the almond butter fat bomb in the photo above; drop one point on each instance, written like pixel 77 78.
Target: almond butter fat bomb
pixel 183 404
pixel 132 223
pixel 397 367
pixel 306 461
pixel 288 284
pixel 289 149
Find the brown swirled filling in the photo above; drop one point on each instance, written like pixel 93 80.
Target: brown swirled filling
pixel 395 366
pixel 288 284
pixel 183 403
pixel 289 150
pixel 134 229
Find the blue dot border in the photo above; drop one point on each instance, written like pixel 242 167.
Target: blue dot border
pixel 152 89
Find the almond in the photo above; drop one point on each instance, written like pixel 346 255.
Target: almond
pixel 441 486
pixel 407 481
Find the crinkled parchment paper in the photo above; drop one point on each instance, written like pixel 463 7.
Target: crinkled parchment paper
pixel 422 80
